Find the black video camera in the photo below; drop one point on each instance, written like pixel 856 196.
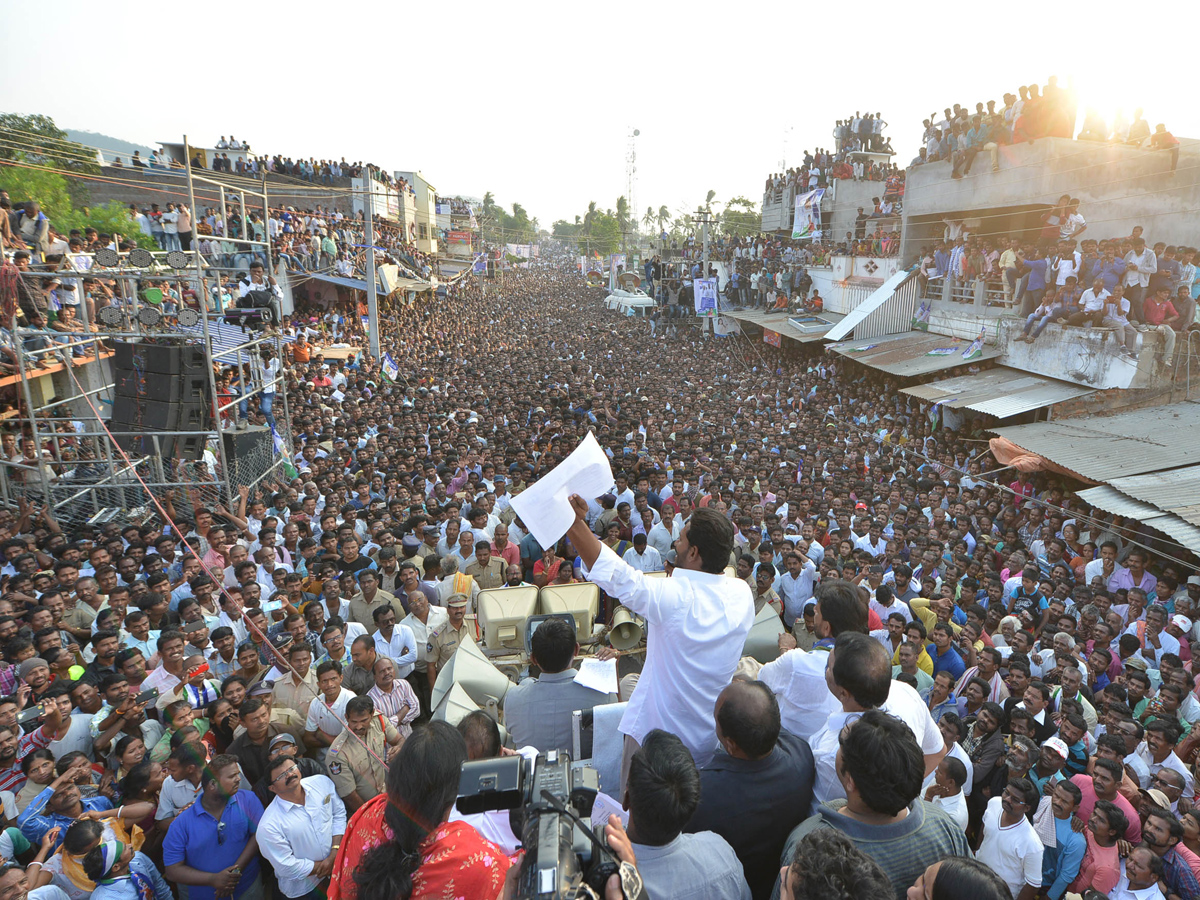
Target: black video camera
pixel 565 857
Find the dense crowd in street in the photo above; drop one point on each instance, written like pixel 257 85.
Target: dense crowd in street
pixel 984 687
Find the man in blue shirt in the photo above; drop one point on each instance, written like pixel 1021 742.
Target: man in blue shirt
pixel 945 657
pixel 58 805
pixel 211 845
pixel 1061 863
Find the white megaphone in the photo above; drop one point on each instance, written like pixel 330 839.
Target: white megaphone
pixel 628 629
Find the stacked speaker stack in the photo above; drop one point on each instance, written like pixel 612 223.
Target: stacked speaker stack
pixel 160 388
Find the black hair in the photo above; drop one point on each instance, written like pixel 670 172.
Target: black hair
pixel 880 753
pixel 712 535
pixel 663 786
pixel 423 783
pixel 1118 822
pixel 828 865
pixel 553 645
pixel 481 735
pixel 957 771
pixel 357 706
pixel 750 717
pixel 840 607
pixel 962 876
pixel 863 667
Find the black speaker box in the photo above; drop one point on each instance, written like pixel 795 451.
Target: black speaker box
pixel 130 413
pixel 249 453
pixel 165 359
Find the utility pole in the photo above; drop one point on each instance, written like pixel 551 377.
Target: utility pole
pixel 372 295
pixel 703 214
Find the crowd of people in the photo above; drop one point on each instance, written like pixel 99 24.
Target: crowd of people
pixel 984 687
pixel 823 167
pixel 322 240
pixel 959 134
pixel 1125 284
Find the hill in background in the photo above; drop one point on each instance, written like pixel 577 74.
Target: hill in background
pixel 110 146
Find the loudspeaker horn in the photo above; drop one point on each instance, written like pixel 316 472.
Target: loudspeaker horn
pixel 628 629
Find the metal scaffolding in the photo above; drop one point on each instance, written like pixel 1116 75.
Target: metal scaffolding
pixel 74 464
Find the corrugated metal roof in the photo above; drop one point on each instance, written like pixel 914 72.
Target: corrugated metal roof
pixel 1111 500
pixel 1101 448
pixel 884 293
pixel 1177 491
pixel 999 391
pixel 911 353
pixel 780 322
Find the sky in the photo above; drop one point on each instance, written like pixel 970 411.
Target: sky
pixel 536 102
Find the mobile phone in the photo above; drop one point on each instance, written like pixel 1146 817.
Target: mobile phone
pixel 30 714
pixel 146 696
pixel 200 670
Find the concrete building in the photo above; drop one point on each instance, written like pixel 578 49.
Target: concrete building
pixel 424 199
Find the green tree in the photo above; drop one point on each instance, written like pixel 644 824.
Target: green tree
pixel 741 217
pixel 605 235
pixel 49 189
pixel 40 142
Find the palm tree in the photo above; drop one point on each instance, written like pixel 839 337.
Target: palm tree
pixel 709 199
pixel 623 218
pixel 648 218
pixel 663 217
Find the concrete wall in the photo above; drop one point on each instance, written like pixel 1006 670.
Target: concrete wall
pixel 1118 187
pixel 847 197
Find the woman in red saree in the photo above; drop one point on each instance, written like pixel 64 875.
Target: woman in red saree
pixel 399 845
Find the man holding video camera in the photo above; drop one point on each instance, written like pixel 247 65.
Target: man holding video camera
pixel 698 619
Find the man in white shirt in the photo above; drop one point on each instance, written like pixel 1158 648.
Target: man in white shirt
pixel 642 557
pixel 699 620
pixel 861 681
pixel 663 535
pixel 1092 303
pixel 301 831
pixel 327 713
pixel 1011 847
pixel 395 641
pixel 423 620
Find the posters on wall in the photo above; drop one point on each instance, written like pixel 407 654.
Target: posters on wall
pixel 705 290
pixel 806 222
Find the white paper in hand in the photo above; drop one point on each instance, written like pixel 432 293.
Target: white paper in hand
pixel 544 507
pixel 598 674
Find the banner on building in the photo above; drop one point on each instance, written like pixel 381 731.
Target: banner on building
pixel 976 347
pixel 725 325
pixel 390 370
pixel 806 223
pixel 705 290
pixel 480 264
pixel 920 320
pixel 458 237
pixel 771 337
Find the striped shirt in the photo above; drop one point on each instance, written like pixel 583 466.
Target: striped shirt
pixel 388 705
pixel 13 779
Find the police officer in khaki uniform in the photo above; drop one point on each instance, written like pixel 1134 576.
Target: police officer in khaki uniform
pixel 445 640
pixel 354 758
pixel 487 570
